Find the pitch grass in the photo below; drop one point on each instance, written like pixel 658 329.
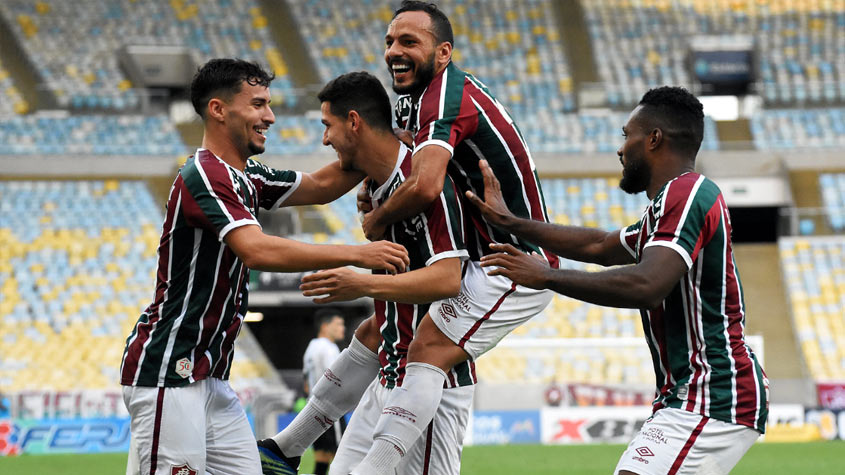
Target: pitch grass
pixel 763 459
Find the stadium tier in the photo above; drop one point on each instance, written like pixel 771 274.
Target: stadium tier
pixel 814 270
pixel 74 45
pixel 11 100
pixel 90 135
pixel 785 129
pixel 641 44
pixel 832 187
pixel 77 262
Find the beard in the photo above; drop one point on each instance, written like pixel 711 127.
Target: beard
pixel 636 175
pixel 423 74
pixel 255 149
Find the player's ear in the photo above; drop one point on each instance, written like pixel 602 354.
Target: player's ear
pixel 655 138
pixel 444 53
pixel 353 120
pixel 215 109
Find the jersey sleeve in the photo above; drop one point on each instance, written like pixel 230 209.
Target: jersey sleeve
pixel 683 220
pixel 274 186
pixel 447 114
pixel 444 234
pixel 629 237
pixel 213 203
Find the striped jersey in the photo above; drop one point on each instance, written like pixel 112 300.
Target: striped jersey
pixel 435 234
pixel 697 336
pixel 458 113
pixel 188 333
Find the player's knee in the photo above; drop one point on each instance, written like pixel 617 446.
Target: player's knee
pixel 368 334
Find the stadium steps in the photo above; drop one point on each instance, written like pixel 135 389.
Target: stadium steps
pixel 805 190
pixel 735 134
pixel 576 42
pixel 23 73
pixel 285 33
pixel 768 315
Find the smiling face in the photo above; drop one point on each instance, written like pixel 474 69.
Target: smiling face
pixel 410 49
pixel 636 170
pixel 247 118
pixel 337 136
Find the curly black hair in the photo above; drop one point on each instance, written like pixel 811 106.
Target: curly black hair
pixel 442 28
pixel 223 77
pixel 676 112
pixel 362 92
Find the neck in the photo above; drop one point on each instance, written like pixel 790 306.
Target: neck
pixel 219 143
pixel 381 155
pixel 675 167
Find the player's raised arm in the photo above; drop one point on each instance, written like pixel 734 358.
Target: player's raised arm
pixel 572 242
pixel 413 196
pixel 440 280
pixel 260 251
pixel 324 185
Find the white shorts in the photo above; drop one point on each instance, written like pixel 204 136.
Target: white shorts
pixel 675 441
pixel 438 450
pixel 486 309
pixel 200 428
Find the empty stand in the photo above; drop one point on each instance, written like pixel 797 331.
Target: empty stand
pixel 785 129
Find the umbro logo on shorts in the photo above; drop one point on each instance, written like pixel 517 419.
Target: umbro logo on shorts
pixel 645 452
pixel 400 412
pixel 182 470
pixel 447 312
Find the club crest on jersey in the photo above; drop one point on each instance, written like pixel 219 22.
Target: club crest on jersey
pixel 182 470
pixel 184 367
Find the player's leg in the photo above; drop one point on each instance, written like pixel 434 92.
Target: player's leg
pixel 681 442
pixel 410 408
pixel 325 447
pixel 168 428
pixel 439 448
pixel 335 394
pixel 358 437
pixel 229 439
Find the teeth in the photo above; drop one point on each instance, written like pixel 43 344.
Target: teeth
pixel 401 68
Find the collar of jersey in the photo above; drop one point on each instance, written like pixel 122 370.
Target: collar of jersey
pixel 240 173
pixel 403 150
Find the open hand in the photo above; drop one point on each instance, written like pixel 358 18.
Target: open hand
pixel 530 271
pixel 385 255
pixel 493 207
pixel 339 284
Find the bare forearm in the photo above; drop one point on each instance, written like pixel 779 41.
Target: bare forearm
pixel 286 255
pixel 621 287
pixel 407 200
pixel 400 288
pixel 571 242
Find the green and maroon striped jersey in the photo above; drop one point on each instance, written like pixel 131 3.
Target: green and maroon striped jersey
pixel 437 233
pixel 697 335
pixel 188 333
pixel 458 113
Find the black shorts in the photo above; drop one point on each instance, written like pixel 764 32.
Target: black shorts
pixel 330 439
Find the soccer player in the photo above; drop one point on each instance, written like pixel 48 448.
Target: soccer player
pixel 319 354
pixel 356 114
pixel 456 122
pixel 711 402
pixel 175 368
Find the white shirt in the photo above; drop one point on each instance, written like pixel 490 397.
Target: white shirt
pixel 321 352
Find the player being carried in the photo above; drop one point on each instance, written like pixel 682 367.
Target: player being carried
pixel 711 401
pixel 356 114
pixel 175 368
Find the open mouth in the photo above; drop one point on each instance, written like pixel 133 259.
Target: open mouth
pixel 400 69
pixel 260 130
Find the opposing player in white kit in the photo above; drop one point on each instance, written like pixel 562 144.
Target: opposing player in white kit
pixel 319 354
pixel 185 418
pixel 356 114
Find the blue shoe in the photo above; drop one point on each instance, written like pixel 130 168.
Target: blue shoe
pixel 273 461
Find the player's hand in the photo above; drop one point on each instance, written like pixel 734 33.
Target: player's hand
pixel 523 269
pixel 405 136
pixel 365 204
pixel 372 230
pixel 339 285
pixel 386 255
pixel 493 207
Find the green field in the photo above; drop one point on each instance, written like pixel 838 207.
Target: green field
pixel 768 459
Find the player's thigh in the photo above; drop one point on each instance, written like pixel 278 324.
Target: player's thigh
pixel 358 436
pixel 168 428
pixel 438 450
pixel 231 447
pixel 678 441
pixel 485 310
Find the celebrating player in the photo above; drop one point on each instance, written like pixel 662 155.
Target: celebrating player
pixel 184 414
pixel 712 394
pixel 356 114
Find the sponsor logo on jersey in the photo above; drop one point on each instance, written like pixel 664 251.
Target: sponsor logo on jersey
pixel 400 412
pixel 182 470
pixel 645 451
pixel 184 367
pixel 331 377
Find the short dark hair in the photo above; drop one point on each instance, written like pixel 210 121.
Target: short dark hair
pixel 223 77
pixel 439 21
pixel 678 113
pixel 324 316
pixel 362 92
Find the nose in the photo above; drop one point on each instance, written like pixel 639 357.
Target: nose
pixel 269 116
pixel 619 152
pixel 326 138
pixel 392 51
